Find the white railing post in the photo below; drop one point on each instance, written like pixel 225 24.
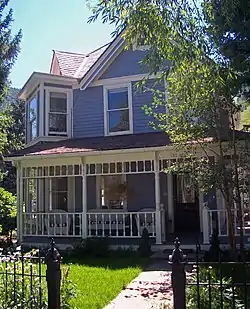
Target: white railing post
pixel 163 222
pixel 205 223
pixel 84 201
pixel 157 201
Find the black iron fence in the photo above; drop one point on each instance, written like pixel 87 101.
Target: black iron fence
pixel 209 285
pixel 30 280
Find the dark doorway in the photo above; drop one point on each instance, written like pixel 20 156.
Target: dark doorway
pixel 186 205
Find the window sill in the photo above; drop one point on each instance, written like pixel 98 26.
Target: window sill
pixel 119 133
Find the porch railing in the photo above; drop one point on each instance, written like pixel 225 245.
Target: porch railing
pixel 217 219
pixel 52 224
pixel 120 224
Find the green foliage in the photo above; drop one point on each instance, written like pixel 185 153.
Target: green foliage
pixel 230 23
pixel 7 211
pixel 95 247
pixel 145 244
pixel 9 46
pixel 29 293
pixel 207 275
pixel 68 290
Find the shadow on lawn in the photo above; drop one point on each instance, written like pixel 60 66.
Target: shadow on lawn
pixel 111 261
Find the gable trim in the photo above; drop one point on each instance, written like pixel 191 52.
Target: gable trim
pixel 102 61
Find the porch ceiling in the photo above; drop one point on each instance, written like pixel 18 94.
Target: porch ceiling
pixel 102 143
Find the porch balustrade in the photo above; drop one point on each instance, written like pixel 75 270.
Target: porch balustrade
pixel 121 224
pixel 115 224
pixel 218 221
pixel 52 224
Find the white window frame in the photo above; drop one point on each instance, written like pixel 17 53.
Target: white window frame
pixel 99 193
pixel 69 94
pixel 29 122
pixel 106 111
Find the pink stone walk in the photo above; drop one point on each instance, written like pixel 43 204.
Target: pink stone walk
pixel 150 290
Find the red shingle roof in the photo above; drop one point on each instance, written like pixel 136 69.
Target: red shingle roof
pixel 102 143
pixel 77 64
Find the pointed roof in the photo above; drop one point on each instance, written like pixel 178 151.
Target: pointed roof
pixel 75 64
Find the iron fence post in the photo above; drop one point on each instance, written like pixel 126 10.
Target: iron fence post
pixel 178 276
pixel 53 276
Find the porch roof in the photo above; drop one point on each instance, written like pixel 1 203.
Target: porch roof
pixel 100 143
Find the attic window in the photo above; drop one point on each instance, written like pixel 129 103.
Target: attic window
pixel 32 119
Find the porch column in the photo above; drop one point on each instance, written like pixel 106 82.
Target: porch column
pixel 157 201
pixel 84 201
pixel 170 201
pixel 19 186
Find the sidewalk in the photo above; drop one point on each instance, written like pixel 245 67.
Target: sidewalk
pixel 150 290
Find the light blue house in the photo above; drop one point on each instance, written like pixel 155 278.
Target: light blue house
pixel 93 166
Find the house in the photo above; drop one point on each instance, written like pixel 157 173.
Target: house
pixel 93 166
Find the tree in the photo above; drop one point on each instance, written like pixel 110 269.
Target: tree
pixel 14 111
pixel 9 46
pixel 230 22
pixel 201 86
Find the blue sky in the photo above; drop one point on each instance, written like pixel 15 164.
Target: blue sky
pixel 52 24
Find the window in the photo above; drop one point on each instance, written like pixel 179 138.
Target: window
pixel 58 113
pixel 113 192
pixel 32 119
pixel 118 110
pixel 59 193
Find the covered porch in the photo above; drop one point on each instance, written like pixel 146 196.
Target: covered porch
pixel 114 195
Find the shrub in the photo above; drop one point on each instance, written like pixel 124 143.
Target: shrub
pixel 95 247
pixel 215 290
pixel 145 245
pixel 7 211
pixel 17 290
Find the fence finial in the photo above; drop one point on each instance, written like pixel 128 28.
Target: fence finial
pixel 53 253
pixel 177 255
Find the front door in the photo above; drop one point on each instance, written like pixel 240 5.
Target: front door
pixel 186 205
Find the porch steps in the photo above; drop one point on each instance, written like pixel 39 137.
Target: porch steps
pixel 165 253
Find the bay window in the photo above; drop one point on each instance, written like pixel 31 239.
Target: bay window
pixel 118 112
pixel 32 111
pixel 58 113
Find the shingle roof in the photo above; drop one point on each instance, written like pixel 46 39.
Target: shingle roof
pixel 77 64
pixel 101 143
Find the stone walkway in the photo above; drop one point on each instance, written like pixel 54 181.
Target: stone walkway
pixel 151 289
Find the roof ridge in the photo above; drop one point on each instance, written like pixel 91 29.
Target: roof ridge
pixel 97 49
pixel 68 52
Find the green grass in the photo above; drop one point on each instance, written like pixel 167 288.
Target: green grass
pixel 100 280
pixel 245 117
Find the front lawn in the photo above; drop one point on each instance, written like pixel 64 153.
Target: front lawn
pixel 100 280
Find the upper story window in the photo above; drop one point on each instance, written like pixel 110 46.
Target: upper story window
pixel 58 113
pixel 118 110
pixel 32 111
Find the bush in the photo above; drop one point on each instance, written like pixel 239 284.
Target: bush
pixel 145 245
pixel 206 275
pixel 94 247
pixel 7 212
pixel 19 291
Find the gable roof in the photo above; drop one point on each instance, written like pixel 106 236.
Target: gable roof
pixel 75 64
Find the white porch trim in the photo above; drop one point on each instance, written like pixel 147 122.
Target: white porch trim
pixel 84 201
pixel 170 201
pixel 158 201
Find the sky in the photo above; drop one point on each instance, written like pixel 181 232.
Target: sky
pixel 52 24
